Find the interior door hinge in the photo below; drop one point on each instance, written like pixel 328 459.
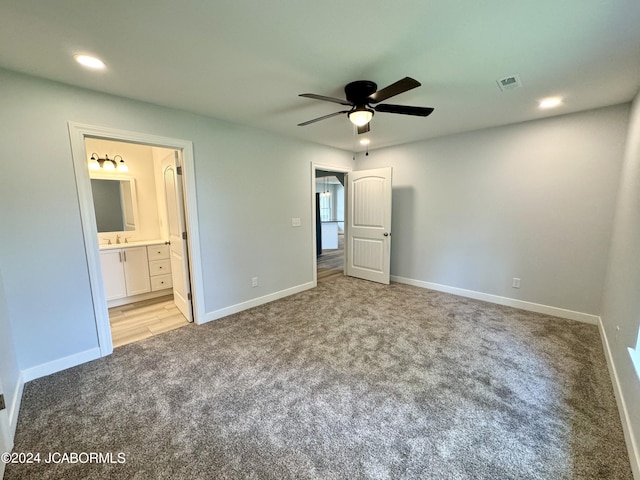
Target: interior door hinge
pixel 184 235
pixel 179 170
pixel 189 296
pixel 2 404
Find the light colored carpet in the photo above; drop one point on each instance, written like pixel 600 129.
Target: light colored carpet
pixel 350 380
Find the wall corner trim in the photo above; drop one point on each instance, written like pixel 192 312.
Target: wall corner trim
pixel 627 427
pixel 509 302
pixel 14 405
pixel 239 307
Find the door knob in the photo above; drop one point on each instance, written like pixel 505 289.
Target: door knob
pixel 385 234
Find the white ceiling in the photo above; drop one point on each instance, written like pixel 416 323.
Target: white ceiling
pixel 247 61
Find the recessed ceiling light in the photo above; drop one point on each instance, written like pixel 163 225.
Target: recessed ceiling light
pixel 365 141
pixel 550 102
pixel 89 61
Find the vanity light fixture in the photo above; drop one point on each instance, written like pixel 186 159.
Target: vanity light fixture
pixel 107 164
pixel 93 162
pixel 122 167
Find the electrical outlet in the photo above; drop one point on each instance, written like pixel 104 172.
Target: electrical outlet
pixel 296 222
pixel 254 281
pixel 515 283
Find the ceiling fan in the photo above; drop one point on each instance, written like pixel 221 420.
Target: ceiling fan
pixel 361 94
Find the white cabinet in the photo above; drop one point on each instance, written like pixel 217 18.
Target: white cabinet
pixel 136 270
pixel 159 267
pixel 125 272
pixel 113 274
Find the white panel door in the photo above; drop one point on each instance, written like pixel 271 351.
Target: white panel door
pixel 368 232
pixel 177 242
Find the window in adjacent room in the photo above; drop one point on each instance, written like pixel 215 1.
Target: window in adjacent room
pixel 635 355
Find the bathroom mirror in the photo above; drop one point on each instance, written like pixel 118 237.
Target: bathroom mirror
pixel 114 202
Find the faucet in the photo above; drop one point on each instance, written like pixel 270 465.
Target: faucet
pixel 117 238
pixel 108 241
pixel 126 239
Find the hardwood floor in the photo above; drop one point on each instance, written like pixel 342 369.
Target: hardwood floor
pixel 331 262
pixel 136 321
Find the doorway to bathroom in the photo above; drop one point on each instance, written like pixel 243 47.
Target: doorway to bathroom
pixel 141 266
pixel 138 205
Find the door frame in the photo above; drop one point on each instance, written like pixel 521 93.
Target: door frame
pixel 329 168
pixel 78 132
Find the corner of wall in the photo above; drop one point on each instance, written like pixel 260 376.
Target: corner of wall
pixel 627 425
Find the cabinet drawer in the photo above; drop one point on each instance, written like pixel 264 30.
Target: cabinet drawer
pixel 157 252
pixel 160 282
pixel 159 267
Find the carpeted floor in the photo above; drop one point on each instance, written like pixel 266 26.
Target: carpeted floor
pixel 350 380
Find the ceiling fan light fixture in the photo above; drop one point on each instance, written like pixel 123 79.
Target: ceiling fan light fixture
pixel 361 116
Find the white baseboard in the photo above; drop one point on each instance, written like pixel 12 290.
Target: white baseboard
pixel 13 404
pixel 627 428
pixel 223 312
pixel 509 302
pixel 60 364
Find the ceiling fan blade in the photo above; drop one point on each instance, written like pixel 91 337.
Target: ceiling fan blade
pixel 401 86
pixel 364 128
pixel 404 110
pixel 322 118
pixel 326 99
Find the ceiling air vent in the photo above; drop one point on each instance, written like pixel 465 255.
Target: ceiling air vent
pixel 509 83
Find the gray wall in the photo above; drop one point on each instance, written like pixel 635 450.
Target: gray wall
pixel 245 223
pixel 621 300
pixel 533 200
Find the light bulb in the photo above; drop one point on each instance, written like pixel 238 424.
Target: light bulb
pixel 89 61
pixel 550 102
pixel 361 116
pixel 93 163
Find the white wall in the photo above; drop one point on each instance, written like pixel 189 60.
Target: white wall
pixel 621 300
pixel 533 200
pixel 245 223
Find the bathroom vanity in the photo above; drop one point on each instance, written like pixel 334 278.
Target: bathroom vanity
pixel 135 271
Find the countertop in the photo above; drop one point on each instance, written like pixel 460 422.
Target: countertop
pixel 141 243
